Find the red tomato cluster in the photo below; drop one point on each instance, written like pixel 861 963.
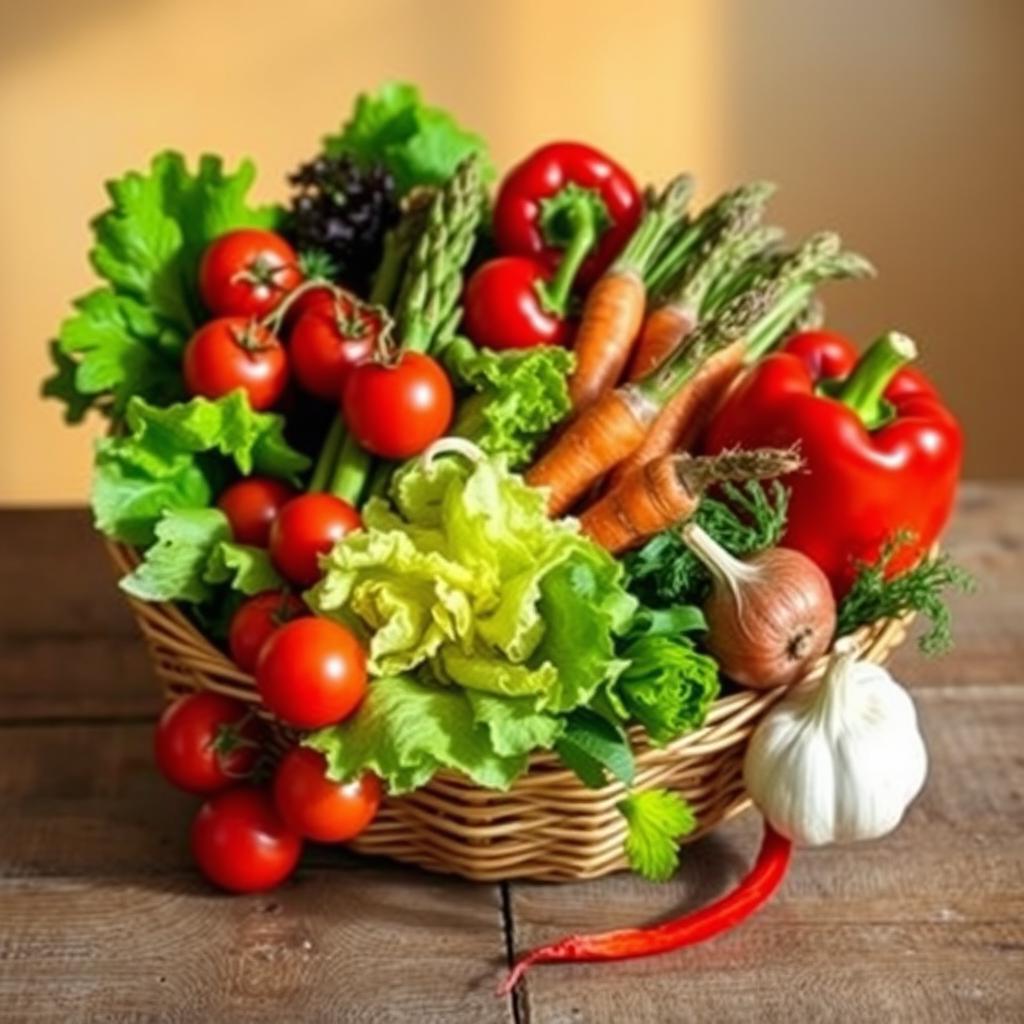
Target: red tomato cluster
pixel 247 837
pixel 271 328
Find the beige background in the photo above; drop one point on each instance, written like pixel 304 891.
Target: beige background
pixel 897 122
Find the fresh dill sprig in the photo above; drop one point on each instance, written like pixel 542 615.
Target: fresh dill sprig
pixel 920 589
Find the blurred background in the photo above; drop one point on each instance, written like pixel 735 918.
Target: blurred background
pixel 898 124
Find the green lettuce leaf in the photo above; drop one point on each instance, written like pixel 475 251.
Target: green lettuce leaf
pixel 193 555
pixel 419 144
pixel 406 730
pixel 247 569
pixel 591 745
pixel 174 568
pixel 126 338
pixel 519 396
pixel 467 575
pixel 668 686
pixel 657 819
pixel 485 622
pixel 178 457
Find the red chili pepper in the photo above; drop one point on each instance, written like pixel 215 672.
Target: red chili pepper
pixel 529 210
pixel 753 892
pixel 882 453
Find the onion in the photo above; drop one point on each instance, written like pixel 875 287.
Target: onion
pixel 770 616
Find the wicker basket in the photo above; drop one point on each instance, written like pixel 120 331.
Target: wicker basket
pixel 547 826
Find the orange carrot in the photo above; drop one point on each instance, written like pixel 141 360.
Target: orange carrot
pixel 686 412
pixel 612 316
pixel 592 444
pixel 662 333
pixel 614 308
pixel 667 490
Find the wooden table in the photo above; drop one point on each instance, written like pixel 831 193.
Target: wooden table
pixel 102 916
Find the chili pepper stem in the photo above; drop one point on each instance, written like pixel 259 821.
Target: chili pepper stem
pixel 864 389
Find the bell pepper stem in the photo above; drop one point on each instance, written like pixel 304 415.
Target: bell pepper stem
pixel 580 216
pixel 864 389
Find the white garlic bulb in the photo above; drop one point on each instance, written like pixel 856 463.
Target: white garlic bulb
pixel 841 761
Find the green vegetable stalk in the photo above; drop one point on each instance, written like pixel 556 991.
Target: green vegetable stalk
pixel 427 303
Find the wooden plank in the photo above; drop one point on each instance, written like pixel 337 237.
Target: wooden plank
pixel 103 916
pixel 926 925
pixel 68 643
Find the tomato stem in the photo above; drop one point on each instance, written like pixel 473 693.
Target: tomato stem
pixel 273 320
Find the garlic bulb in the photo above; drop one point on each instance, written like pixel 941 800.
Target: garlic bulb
pixel 841 761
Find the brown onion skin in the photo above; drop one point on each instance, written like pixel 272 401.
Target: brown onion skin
pixel 785 620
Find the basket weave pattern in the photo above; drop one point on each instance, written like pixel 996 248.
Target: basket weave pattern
pixel 548 826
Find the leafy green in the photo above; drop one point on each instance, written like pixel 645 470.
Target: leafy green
pixel 592 745
pixel 876 595
pixel 744 520
pixel 174 567
pixel 419 144
pixel 485 622
pixel 193 554
pixel 168 459
pixel 407 730
pixel 467 576
pixel 657 819
pixel 519 396
pixel 668 685
pixel 247 569
pixel 126 338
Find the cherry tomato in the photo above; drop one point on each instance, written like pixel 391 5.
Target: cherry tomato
pixel 234 352
pixel 317 807
pixel 327 341
pixel 251 505
pixel 256 619
pixel 240 842
pixel 395 411
pixel 205 742
pixel 307 527
pixel 504 307
pixel 247 273
pixel 311 673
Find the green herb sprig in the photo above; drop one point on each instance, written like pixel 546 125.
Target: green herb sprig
pixel 920 589
pixel 745 519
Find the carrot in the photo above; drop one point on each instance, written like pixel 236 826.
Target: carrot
pixel 614 308
pixel 731 236
pixel 667 490
pixel 592 444
pixel 663 331
pixel 684 415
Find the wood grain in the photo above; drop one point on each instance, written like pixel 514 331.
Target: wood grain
pixel 103 917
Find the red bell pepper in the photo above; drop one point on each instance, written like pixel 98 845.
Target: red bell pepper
pixel 531 212
pixel 882 452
